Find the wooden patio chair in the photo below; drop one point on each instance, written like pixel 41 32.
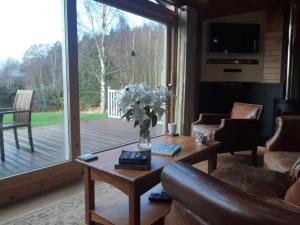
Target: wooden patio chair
pixel 21 118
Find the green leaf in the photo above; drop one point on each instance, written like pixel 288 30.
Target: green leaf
pixel 136 123
pixel 154 120
pixel 147 111
pixel 145 127
pixel 128 115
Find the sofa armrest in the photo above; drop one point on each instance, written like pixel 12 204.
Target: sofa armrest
pixel 295 171
pixel 210 118
pixel 287 135
pixel 219 203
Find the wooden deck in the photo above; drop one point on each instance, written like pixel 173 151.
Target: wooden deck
pixel 96 135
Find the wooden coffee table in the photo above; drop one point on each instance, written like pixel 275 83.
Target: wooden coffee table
pixel 135 184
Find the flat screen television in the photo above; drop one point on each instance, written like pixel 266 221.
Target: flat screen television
pixel 233 38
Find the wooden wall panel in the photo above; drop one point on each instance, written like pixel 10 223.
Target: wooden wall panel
pixel 273 47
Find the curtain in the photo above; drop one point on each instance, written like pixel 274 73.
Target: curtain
pixel 186 81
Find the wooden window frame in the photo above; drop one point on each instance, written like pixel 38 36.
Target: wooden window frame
pixel 44 179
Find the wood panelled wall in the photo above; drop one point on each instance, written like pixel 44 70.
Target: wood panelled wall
pixel 273 47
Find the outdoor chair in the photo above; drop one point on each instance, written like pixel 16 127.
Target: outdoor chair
pixel 21 118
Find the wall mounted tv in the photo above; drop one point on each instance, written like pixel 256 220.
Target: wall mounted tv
pixel 233 38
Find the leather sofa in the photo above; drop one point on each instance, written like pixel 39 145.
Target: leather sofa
pixel 201 199
pixel 238 131
pixel 283 149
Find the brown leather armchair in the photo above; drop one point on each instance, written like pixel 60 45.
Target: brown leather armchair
pixel 238 131
pixel 283 149
pixel 200 199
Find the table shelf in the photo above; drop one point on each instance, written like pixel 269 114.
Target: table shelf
pixel 114 210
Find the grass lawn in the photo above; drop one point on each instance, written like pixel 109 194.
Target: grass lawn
pixel 50 118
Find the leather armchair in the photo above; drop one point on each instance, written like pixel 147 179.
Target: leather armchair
pixel 200 199
pixel 238 131
pixel 283 149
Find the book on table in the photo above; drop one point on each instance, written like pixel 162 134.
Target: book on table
pixel 166 149
pixel 135 160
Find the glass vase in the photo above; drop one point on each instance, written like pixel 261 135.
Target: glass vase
pixel 144 142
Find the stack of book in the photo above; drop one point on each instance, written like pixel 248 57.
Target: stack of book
pixel 134 160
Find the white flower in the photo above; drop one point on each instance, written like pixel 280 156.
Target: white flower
pixel 140 102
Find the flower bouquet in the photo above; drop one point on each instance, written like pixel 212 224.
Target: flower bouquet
pixel 145 106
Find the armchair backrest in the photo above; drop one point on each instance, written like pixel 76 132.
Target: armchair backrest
pixel 211 201
pixel 23 102
pixel 246 111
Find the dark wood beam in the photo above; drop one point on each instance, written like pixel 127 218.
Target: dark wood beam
pixel 144 8
pixel 219 8
pixel 176 3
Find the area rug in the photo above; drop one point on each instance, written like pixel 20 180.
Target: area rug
pixel 69 211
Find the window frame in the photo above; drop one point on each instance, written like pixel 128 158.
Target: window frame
pixel 41 180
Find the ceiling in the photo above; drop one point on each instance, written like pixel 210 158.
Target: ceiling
pixel 216 8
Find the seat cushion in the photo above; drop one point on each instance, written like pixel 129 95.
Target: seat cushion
pixel 206 128
pixel 280 161
pixel 254 180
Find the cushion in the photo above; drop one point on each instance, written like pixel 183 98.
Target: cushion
pixel 245 111
pixel 280 161
pixel 254 180
pixel 207 128
pixel 293 194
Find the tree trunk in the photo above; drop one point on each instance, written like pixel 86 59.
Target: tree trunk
pixel 148 77
pixel 102 95
pixel 102 78
pixel 133 63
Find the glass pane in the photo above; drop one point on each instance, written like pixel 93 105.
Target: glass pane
pixel 31 59
pixel 115 48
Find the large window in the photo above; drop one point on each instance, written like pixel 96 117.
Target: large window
pixel 31 44
pixel 53 48
pixel 115 48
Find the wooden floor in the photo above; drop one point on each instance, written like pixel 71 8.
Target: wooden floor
pixel 49 144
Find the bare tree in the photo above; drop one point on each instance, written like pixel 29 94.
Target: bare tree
pixel 100 19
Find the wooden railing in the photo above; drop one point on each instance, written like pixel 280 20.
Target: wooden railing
pixel 113 110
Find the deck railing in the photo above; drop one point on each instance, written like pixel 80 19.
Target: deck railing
pixel 113 109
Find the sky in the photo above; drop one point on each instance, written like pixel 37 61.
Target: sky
pixel 27 22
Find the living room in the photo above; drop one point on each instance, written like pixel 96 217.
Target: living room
pixel 201 95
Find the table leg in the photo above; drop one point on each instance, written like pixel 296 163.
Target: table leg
pixel 89 190
pixel 134 208
pixel 212 162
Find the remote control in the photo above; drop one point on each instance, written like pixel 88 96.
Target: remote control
pixel 88 157
pixel 159 197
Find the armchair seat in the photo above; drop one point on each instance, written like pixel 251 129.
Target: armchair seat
pixel 254 180
pixel 280 161
pixel 206 128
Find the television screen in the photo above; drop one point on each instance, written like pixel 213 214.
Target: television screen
pixel 233 38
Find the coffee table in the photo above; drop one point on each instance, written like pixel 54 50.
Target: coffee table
pixel 136 184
